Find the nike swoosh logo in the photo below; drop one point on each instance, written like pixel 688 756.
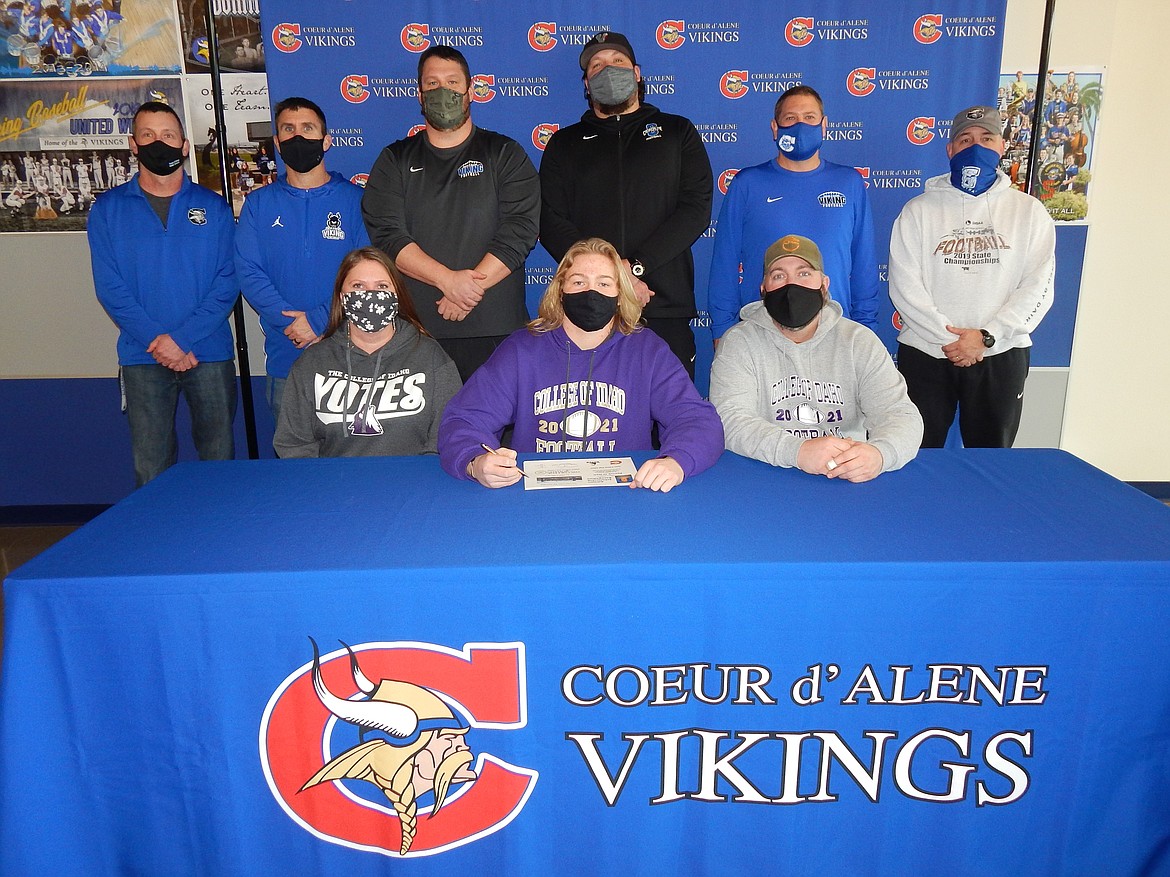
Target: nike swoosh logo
pixel 589 136
pixel 415 170
pixel 780 198
pixel 1021 396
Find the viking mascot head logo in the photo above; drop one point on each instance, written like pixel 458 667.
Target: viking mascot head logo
pixel 426 750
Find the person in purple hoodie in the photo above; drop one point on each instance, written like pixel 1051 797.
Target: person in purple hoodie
pixel 582 377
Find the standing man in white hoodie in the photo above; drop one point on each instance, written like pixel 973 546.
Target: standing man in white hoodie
pixel 971 270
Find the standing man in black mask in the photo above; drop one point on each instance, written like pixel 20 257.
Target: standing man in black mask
pixel 161 249
pixel 292 236
pixel 636 177
pixel 456 207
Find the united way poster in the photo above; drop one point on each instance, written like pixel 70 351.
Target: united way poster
pixel 65 141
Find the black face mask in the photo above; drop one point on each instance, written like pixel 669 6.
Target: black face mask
pixel 160 158
pixel 589 310
pixel 302 155
pixel 792 306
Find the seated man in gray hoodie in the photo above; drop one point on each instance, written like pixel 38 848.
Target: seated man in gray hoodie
pixel 798 384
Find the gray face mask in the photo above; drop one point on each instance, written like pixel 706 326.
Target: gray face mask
pixel 611 86
pixel 443 108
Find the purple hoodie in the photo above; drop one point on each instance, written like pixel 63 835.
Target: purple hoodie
pixel 564 399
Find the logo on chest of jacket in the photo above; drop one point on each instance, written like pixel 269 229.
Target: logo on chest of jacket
pixel 652 131
pixel 197 216
pixel 470 169
pixel 831 199
pixel 333 230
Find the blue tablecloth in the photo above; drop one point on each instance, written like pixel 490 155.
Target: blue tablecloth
pixel 955 669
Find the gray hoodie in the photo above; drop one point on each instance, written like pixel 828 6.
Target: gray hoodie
pixel 773 394
pixel 415 379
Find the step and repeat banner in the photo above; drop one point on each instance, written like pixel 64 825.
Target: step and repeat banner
pixel 891 76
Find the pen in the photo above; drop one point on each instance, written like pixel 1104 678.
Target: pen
pixel 491 451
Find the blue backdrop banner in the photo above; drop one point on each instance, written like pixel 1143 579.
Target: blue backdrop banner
pixel 892 76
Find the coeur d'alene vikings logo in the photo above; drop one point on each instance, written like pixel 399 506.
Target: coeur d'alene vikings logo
pixel 388 766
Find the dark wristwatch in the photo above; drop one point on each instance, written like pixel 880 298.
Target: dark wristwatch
pixel 988 338
pixel 637 268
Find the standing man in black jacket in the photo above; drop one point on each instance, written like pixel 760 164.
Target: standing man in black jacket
pixel 456 207
pixel 636 176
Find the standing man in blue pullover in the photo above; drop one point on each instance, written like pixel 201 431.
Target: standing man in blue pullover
pixel 292 236
pixel 161 249
pixel 799 193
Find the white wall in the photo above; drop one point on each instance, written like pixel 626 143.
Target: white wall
pixel 1117 412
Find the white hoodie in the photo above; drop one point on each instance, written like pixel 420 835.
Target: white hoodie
pixel 774 394
pixel 973 262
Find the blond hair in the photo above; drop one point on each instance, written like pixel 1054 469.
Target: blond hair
pixel 551 313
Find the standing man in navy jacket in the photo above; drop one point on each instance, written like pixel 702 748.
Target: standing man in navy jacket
pixel 636 177
pixel 292 236
pixel 161 249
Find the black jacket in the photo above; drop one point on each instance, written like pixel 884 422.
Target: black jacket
pixel 642 181
pixel 458 204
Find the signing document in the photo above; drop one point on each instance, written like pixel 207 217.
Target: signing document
pixel 592 472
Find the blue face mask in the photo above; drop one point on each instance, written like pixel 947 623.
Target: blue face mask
pixel 800 140
pixel 973 169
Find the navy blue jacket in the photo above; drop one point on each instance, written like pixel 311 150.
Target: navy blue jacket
pixel 288 246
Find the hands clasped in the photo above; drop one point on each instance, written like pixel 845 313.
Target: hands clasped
pixel 836 457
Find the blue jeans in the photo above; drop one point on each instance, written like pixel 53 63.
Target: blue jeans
pixel 152 394
pixel 274 391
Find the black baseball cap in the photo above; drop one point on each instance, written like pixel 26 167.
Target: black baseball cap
pixel 607 40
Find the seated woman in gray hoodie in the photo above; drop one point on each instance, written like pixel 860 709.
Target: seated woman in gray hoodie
pixel 798 384
pixel 375 384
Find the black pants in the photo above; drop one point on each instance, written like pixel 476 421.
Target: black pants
pixel 989 396
pixel 676 332
pixel 470 353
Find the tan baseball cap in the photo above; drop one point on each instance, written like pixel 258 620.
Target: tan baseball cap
pixel 794 245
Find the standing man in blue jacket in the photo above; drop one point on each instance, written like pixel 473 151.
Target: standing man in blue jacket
pixel 161 249
pixel 799 193
pixel 637 177
pixel 292 236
